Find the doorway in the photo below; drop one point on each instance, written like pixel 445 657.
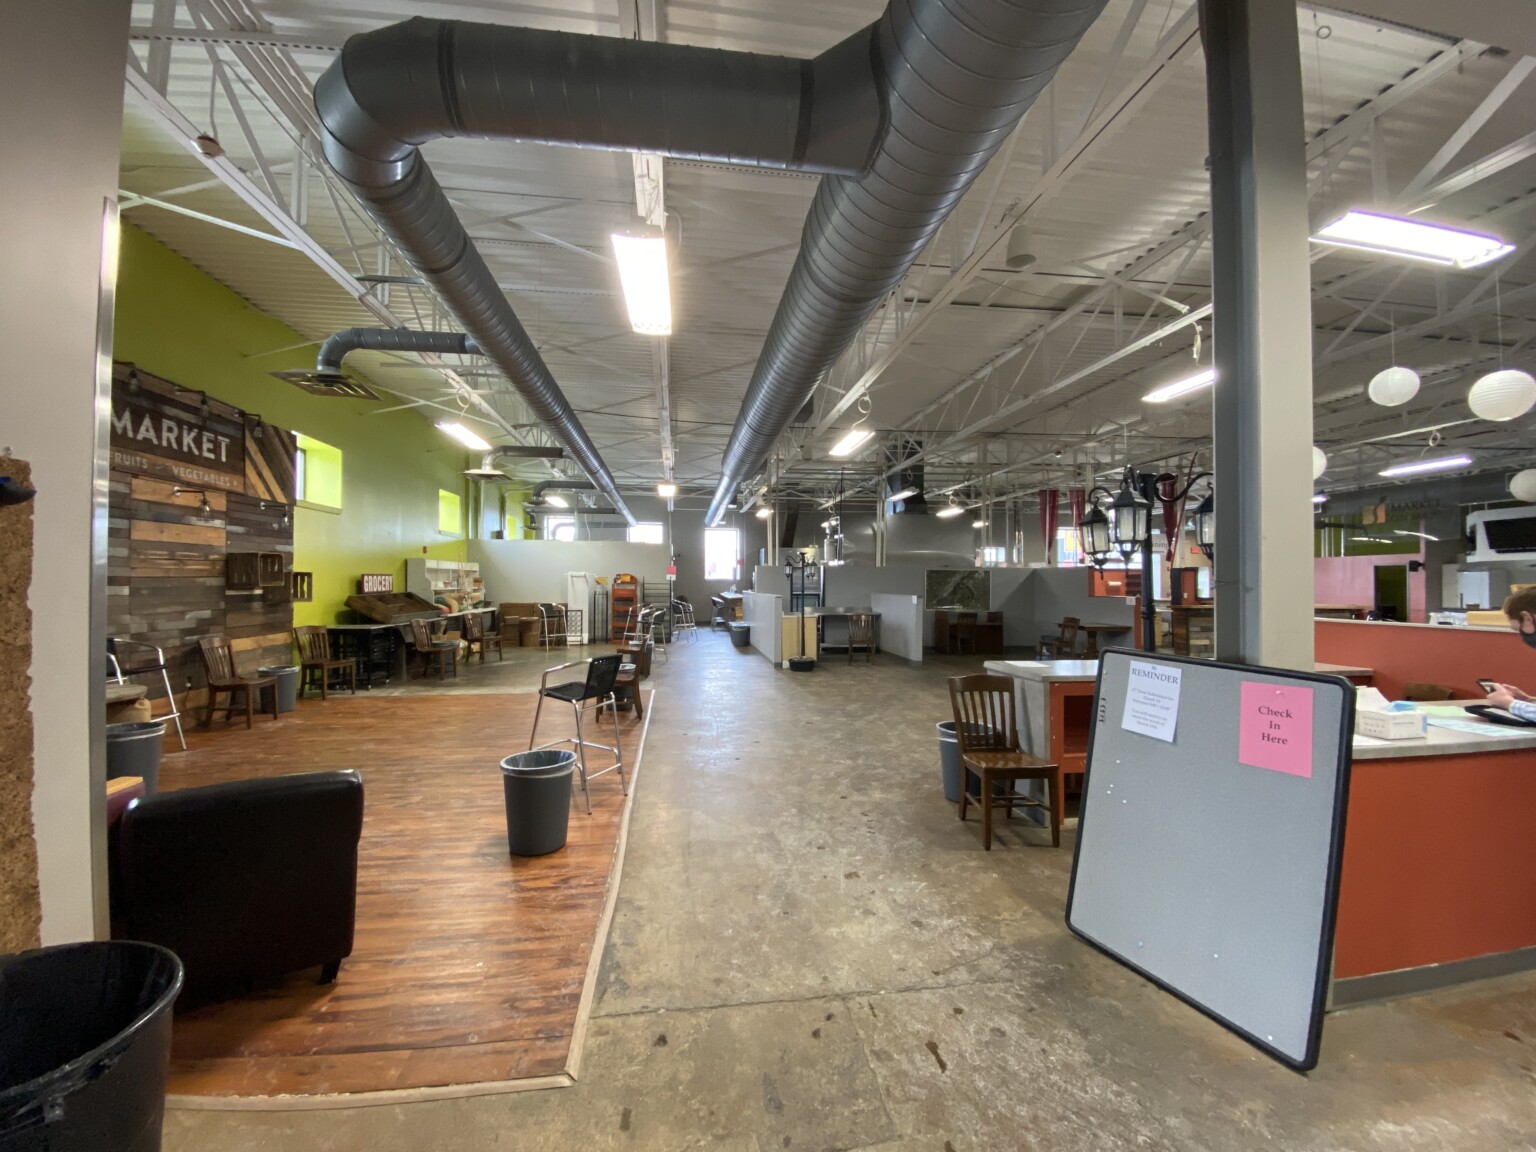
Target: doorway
pixel 1392 592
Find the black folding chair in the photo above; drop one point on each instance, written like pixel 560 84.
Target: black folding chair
pixel 596 691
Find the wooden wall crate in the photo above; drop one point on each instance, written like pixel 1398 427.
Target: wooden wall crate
pixel 301 586
pixel 249 571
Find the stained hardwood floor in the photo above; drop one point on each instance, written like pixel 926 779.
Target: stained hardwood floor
pixel 468 963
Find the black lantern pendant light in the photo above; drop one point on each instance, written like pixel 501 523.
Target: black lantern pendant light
pixel 1093 536
pixel 1130 519
pixel 1205 526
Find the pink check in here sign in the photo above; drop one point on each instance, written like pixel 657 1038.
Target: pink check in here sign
pixel 1274 728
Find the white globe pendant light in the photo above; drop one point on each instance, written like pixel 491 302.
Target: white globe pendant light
pixel 1522 485
pixel 1393 386
pixel 1319 461
pixel 1503 395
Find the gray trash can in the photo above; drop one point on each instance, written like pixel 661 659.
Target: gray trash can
pixel 741 634
pixel 949 758
pixel 133 749
pixel 287 684
pixel 537 789
pixel 86 1045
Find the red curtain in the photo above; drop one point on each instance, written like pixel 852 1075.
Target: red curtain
pixel 1048 498
pixel 1077 498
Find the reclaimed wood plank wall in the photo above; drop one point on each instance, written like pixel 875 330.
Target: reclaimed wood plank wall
pixel 165 575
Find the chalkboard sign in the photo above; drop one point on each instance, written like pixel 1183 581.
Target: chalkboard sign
pixel 967 588
pixel 1209 837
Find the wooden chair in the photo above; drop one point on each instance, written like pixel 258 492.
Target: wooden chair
pixel 440 652
pixel 1416 690
pixel 1062 646
pixel 638 653
pixel 478 638
pixel 988 735
pixel 963 634
pixel 316 661
pixel 224 679
pixel 861 634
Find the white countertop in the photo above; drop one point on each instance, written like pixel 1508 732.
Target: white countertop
pixel 1411 624
pixel 1068 671
pixel 1444 742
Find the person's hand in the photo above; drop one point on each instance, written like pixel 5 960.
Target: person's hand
pixel 1502 697
pixel 1516 693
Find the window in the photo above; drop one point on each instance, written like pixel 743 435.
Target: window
pixel 992 556
pixel 317 474
pixel 644 533
pixel 450 520
pixel 720 554
pixel 1069 549
pixel 560 528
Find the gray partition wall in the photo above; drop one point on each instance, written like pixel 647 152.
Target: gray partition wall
pixel 1208 851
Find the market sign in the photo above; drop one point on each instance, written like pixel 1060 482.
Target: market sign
pixel 158 433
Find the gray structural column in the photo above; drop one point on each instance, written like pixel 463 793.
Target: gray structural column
pixel 1263 321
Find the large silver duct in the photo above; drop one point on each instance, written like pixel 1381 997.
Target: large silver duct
pixel 392 90
pixel 957 75
pixel 335 348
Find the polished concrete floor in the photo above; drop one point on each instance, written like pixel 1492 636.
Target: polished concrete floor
pixel 811 952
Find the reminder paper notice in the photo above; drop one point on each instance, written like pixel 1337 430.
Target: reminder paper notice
pixel 1274 728
pixel 1152 700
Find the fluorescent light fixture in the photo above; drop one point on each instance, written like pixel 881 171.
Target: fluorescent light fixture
pixel 464 435
pixel 1441 464
pixel 850 443
pixel 1370 540
pixel 1420 535
pixel 978 523
pixel 557 501
pixel 764 513
pixel 1319 498
pixel 642 261
pixel 1181 387
pixel 665 490
pixel 904 494
pixel 952 510
pixel 1415 239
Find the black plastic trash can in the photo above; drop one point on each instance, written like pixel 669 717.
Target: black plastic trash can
pixel 287 676
pixel 741 634
pixel 133 749
pixel 949 759
pixel 537 788
pixel 85 1039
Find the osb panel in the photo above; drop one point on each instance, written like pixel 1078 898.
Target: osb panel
pixel 20 907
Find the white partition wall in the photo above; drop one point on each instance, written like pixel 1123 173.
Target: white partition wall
pixel 901 625
pixel 763 615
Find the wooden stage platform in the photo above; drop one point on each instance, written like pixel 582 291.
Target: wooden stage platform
pixel 469 965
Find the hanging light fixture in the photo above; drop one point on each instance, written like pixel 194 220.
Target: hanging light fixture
pixel 951 510
pixel 1414 239
pixel 851 442
pixel 1130 519
pixel 1418 467
pixel 1503 395
pixel 1181 387
pixel 1393 386
pixel 1319 461
pixel 1205 526
pixel 642 260
pixel 1522 485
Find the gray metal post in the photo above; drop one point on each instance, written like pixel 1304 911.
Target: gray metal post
pixel 1262 292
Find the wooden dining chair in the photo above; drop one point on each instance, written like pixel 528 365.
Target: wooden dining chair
pixel 861 635
pixel 224 679
pixel 478 638
pixel 316 662
pixel 986 730
pixel 434 651
pixel 1062 646
pixel 963 634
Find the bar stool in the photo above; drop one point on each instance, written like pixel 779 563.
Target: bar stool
pixel 115 657
pixel 593 693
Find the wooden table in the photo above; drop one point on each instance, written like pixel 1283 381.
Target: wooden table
pixel 732 602
pixel 1091 651
pixel 987 635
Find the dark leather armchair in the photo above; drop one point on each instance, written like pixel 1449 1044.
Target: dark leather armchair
pixel 244 881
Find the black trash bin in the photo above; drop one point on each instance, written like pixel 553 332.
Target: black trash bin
pixel 537 788
pixel 133 749
pixel 741 634
pixel 287 677
pixel 85 1039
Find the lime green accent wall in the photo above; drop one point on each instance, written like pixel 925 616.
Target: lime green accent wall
pixel 177 322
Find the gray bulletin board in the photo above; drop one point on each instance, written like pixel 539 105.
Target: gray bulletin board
pixel 967 588
pixel 1209 863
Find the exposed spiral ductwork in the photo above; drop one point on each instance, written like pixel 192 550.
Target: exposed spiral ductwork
pixel 901 116
pixel 392 90
pixel 958 76
pixel 335 348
